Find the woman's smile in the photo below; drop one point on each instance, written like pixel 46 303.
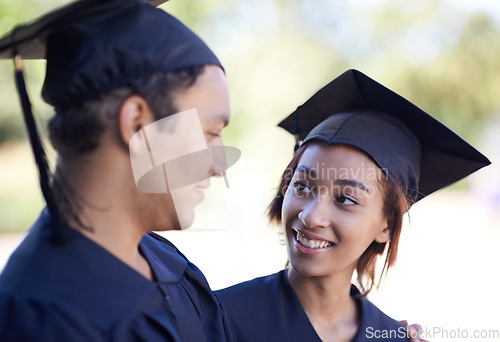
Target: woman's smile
pixel 309 244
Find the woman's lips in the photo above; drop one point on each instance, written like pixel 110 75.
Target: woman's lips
pixel 309 244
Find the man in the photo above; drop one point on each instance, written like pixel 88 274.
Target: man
pixel 89 270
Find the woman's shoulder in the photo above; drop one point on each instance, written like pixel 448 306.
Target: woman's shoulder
pixel 265 309
pixel 375 324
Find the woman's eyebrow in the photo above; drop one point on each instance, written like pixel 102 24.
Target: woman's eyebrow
pixel 310 172
pixel 307 170
pixel 352 183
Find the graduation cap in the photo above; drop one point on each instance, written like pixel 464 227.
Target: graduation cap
pixel 409 145
pixel 93 46
pixel 29 40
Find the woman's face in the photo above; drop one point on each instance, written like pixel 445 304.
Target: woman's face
pixel 332 210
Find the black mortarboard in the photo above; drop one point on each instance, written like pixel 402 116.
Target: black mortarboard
pixel 92 46
pixel 29 40
pixel 408 144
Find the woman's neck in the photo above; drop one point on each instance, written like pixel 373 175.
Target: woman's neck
pixel 328 305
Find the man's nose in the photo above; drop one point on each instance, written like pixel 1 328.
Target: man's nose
pixel 218 159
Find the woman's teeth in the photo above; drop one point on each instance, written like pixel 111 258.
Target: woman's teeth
pixel 312 243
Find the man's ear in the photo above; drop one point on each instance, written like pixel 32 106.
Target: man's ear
pixel 134 115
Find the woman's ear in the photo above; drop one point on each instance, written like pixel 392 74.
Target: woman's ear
pixel 384 235
pixel 134 115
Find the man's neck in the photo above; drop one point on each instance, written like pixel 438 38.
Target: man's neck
pixel 123 245
pixel 104 188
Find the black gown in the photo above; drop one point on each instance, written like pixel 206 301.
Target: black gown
pixel 267 309
pixel 80 292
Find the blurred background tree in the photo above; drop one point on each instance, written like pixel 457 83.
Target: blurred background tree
pixel 276 54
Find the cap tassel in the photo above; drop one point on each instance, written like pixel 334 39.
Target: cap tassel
pixel 38 150
pixel 296 132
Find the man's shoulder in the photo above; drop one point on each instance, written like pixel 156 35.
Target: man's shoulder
pixel 165 259
pixel 170 264
pixel 32 259
pixel 30 291
pixel 76 291
pixel 76 274
pixel 36 318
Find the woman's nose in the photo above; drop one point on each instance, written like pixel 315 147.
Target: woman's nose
pixel 316 214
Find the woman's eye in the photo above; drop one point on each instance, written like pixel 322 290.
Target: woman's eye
pixel 301 186
pixel 345 200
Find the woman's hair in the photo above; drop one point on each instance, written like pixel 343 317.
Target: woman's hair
pixel 395 204
pixel 77 131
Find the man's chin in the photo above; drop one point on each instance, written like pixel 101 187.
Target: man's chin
pixel 186 221
pixel 180 222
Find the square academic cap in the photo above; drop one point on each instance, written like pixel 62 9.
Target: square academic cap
pixel 408 144
pixel 92 46
pixel 28 39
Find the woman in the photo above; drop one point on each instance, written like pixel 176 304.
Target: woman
pixel 367 154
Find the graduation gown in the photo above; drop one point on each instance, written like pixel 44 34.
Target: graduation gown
pixel 267 309
pixel 80 292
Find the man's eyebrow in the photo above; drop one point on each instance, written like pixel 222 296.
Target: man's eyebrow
pixel 308 171
pixel 352 183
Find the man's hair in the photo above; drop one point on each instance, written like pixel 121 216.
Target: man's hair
pixel 77 131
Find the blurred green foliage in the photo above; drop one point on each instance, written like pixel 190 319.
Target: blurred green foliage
pixel 276 53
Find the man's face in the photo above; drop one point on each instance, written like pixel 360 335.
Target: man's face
pixel 209 95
